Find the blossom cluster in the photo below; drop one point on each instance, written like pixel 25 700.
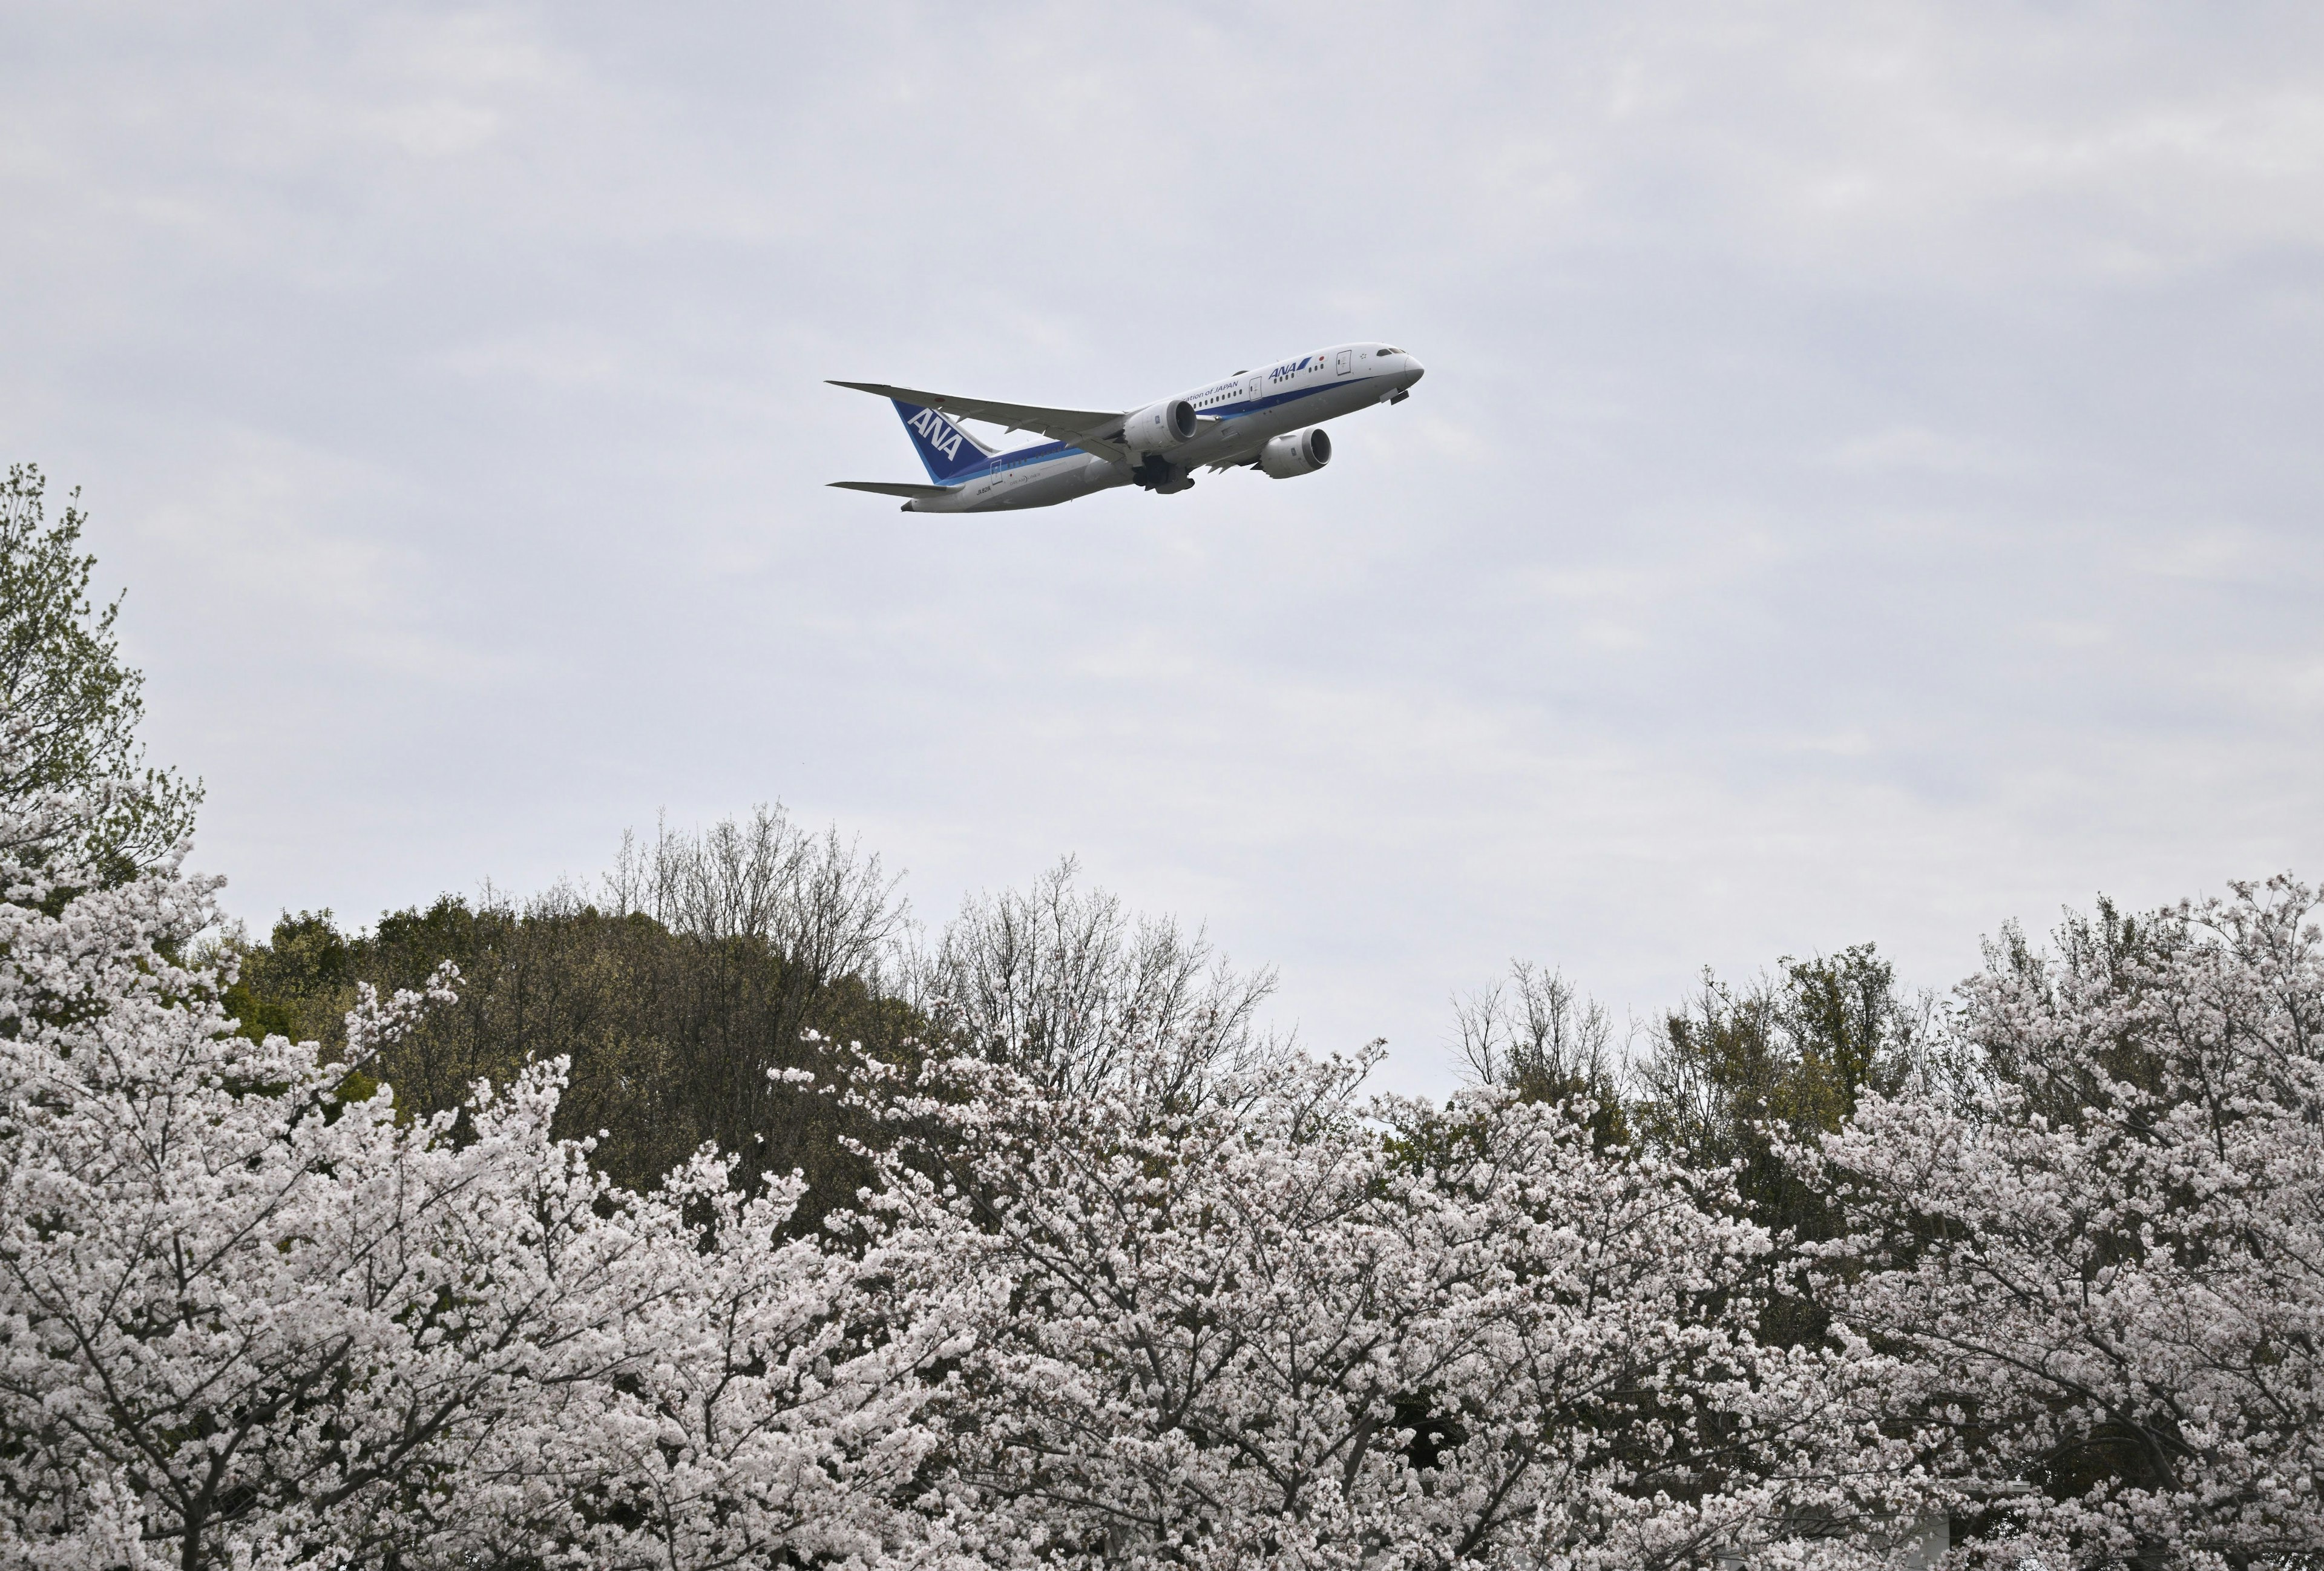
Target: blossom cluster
pixel 2102 1266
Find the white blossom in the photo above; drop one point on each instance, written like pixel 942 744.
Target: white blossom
pixel 1278 1325
pixel 2105 1266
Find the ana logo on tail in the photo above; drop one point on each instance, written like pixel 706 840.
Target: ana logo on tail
pixel 935 432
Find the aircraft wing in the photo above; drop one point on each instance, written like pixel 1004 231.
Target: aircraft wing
pixel 1092 430
pixel 887 488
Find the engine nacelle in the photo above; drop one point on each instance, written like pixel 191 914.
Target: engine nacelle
pixel 1159 426
pixel 1296 453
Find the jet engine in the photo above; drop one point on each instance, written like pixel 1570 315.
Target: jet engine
pixel 1296 453
pixel 1159 426
pixel 1154 431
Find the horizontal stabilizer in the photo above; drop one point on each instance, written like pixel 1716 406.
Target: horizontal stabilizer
pixel 891 488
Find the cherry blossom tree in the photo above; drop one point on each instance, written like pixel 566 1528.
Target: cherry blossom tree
pixel 1278 1323
pixel 249 1316
pixel 2103 1264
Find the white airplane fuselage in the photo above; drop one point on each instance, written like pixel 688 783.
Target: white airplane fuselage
pixel 1218 425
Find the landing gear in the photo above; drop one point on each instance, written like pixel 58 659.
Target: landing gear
pixel 1160 475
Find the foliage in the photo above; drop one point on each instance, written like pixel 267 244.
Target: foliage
pixel 717 964
pixel 76 705
pixel 1727 1083
pixel 1736 1073
pixel 678 1027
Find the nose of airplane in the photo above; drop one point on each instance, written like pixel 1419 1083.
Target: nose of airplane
pixel 1413 370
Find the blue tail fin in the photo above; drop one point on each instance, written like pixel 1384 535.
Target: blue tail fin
pixel 947 450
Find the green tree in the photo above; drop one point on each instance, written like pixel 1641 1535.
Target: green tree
pixel 672 1038
pixel 64 688
pixel 1737 1075
pixel 300 984
pixel 1736 1072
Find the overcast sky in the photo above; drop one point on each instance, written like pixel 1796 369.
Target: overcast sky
pixel 1866 484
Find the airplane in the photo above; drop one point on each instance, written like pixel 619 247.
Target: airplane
pixel 1269 419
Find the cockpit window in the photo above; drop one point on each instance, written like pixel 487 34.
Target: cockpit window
pixel 1385 353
